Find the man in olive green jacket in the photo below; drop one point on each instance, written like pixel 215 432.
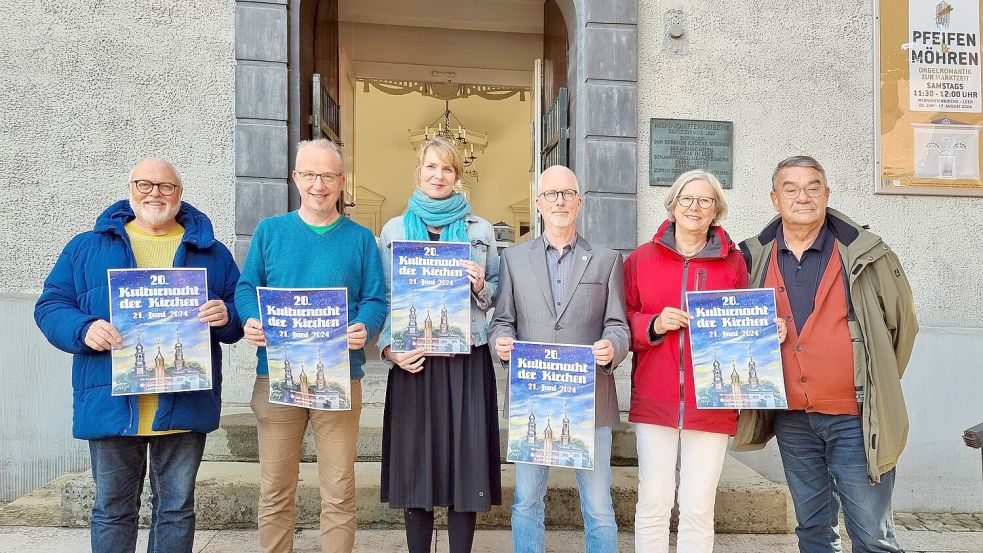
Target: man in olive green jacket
pixel 843 360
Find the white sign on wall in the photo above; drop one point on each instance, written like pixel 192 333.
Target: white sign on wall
pixel 944 55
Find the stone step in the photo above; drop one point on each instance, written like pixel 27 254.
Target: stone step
pixel 227 494
pixel 235 439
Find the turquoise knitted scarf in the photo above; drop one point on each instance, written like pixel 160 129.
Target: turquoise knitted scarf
pixel 447 214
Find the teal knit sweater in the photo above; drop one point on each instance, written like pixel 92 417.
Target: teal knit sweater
pixel 286 253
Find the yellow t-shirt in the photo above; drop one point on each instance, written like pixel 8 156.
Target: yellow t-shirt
pixel 152 251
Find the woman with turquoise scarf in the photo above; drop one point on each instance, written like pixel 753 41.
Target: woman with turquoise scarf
pixel 440 428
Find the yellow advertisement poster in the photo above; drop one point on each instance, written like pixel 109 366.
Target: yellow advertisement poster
pixel 930 105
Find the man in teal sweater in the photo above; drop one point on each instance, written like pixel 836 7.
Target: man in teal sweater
pixel 313 247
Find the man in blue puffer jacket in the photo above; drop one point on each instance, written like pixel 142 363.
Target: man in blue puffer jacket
pixel 153 229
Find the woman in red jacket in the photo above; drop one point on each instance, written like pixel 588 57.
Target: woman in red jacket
pixel 690 252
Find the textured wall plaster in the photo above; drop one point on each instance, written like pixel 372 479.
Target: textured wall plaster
pixel 89 88
pixel 801 82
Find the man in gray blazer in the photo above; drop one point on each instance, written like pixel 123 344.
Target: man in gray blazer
pixel 560 289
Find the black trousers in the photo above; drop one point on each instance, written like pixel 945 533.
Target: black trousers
pixel 419 530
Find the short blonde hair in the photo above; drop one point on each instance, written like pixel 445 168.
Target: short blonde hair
pixel 446 151
pixel 698 174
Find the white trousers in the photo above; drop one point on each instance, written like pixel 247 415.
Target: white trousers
pixel 700 461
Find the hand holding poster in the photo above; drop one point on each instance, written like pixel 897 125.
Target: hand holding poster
pixel 551 405
pixel 307 346
pixel 737 358
pixel 158 309
pixel 431 297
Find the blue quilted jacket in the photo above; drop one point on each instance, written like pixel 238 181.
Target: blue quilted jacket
pixel 76 294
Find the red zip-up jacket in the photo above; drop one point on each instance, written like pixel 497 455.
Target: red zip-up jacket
pixel 656 276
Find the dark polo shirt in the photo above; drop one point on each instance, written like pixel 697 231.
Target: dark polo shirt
pixel 802 276
pixel 559 265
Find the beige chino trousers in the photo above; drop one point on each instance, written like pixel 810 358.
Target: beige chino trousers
pixel 281 430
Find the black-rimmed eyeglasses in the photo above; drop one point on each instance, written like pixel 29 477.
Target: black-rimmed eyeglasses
pixel 553 195
pixel 147 186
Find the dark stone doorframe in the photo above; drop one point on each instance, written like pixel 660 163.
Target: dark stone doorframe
pixel 604 122
pixel 602 77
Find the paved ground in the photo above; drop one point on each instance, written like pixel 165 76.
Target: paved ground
pixel 940 522
pixel 18 539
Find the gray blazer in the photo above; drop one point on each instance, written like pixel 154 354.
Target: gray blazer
pixel 594 309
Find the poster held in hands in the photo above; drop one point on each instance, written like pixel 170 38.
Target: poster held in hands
pixel 165 347
pixel 431 297
pixel 551 405
pixel 307 346
pixel 737 358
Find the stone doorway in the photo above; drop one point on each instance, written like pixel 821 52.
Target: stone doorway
pixel 273 44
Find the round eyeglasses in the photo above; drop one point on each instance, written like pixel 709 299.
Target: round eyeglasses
pixel 146 187
pixel 705 202
pixel 553 195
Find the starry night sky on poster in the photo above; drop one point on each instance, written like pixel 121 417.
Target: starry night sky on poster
pixel 304 346
pixel 164 324
pixel 732 349
pixel 455 294
pixel 579 403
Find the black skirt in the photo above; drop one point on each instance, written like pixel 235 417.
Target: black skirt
pixel 440 435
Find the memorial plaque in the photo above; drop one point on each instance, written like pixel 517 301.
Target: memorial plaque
pixel 680 145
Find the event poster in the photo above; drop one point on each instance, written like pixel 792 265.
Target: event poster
pixel 944 55
pixel 165 347
pixel 430 305
pixel 930 112
pixel 307 346
pixel 737 358
pixel 551 405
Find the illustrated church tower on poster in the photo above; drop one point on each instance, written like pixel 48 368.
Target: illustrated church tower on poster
pixel 288 375
pixel 140 359
pixel 411 327
pixel 179 364
pixel 428 329
pixel 445 327
pixel 565 428
pixel 548 441
pixel 305 387
pixel 735 386
pixel 319 382
pixel 718 374
pixel 159 362
pixel 752 371
pixel 531 429
pixel 429 336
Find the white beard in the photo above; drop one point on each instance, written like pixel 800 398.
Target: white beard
pixel 154 218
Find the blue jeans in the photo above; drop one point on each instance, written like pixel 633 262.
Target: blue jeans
pixel 529 509
pixel 825 465
pixel 119 466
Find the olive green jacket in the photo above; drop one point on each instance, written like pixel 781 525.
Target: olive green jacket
pixel 882 329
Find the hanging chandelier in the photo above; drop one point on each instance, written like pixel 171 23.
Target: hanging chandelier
pixel 447 126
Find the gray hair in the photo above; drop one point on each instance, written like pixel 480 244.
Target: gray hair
pixel 697 174
pixel 797 161
pixel 159 161
pixel 323 144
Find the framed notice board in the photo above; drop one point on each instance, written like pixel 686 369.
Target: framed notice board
pixel 929 108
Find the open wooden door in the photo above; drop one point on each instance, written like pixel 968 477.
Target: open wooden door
pixel 537 146
pixel 346 93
